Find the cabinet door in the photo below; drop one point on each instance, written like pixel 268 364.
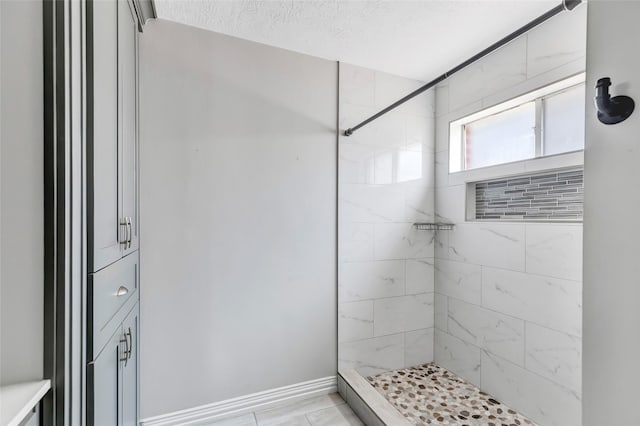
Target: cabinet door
pixel 103 379
pixel 102 131
pixel 128 61
pixel 130 371
pixel 102 135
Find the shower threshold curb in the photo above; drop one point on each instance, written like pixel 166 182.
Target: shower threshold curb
pixel 372 408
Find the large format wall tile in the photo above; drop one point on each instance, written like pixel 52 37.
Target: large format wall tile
pixel 442 169
pixel 373 356
pixel 494 73
pixel 356 163
pixel 555 250
pixel 389 132
pixel 497 333
pixel 419 204
pixel 536 397
pixel 493 244
pixel 356 242
pixel 418 347
pixel 420 130
pixel 459 280
pixel 442 99
pixel 548 47
pixel 385 183
pixel 458 356
pixel 442 132
pixel 371 280
pixel 371 203
pixel 405 313
pixel 390 88
pixel 554 355
pixel 409 166
pixel 441 303
pixel 351 114
pixel 419 276
pixel 355 321
pixel 441 245
pixel 401 241
pixel 550 302
pixel 450 204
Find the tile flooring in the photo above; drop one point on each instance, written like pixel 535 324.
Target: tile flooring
pixel 325 410
pixel 431 395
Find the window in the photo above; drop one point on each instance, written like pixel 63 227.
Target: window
pixel 545 122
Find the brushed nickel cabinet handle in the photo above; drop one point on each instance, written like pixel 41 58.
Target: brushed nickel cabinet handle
pixel 122 290
pixel 129 233
pixel 125 238
pixel 126 351
pixel 130 345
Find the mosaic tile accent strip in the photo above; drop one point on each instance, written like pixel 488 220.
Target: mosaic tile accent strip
pixel 545 196
pixel 431 395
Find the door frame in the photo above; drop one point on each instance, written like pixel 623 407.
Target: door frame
pixel 64 210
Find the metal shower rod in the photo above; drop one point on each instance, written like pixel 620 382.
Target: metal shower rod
pixel 565 5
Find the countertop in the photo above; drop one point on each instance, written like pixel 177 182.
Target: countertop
pixel 16 401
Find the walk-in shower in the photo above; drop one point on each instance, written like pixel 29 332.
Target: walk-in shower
pixel 460 288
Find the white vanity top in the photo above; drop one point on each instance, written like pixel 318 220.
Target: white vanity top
pixel 16 401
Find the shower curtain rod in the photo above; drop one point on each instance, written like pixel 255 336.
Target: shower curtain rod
pixel 566 5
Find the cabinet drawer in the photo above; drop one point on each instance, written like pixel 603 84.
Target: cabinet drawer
pixel 112 292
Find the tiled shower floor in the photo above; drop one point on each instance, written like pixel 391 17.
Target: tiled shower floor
pixel 432 395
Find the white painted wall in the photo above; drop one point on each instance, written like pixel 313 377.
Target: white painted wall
pixel 386 183
pixel 238 211
pixel 21 192
pixel 509 295
pixel 612 201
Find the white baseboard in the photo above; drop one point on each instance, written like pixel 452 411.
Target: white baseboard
pixel 245 404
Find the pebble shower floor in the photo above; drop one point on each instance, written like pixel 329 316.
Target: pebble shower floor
pixel 432 395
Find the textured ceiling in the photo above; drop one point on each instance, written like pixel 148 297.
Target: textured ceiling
pixel 419 39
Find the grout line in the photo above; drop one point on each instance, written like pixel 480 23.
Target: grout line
pixel 512 316
pixel 482 272
pixel 404 348
pixel 480 372
pixel 387 297
pixel 404 280
pixel 373 319
pixel 386 335
pixel 524 337
pixel 526 57
pixel 511 270
pixel 522 367
pixel 578 393
pixel 526 233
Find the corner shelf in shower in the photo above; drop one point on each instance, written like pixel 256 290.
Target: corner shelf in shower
pixel 435 226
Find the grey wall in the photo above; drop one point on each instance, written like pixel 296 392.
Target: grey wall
pixel 612 201
pixel 21 223
pixel 238 217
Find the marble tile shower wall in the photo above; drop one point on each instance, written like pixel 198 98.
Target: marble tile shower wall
pixel 386 266
pixel 508 296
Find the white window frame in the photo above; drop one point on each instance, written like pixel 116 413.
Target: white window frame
pixel 457 159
